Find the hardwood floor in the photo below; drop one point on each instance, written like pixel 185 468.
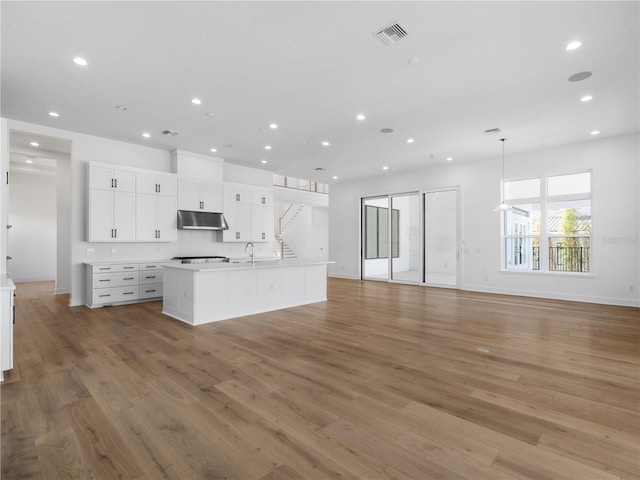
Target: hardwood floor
pixel 381 381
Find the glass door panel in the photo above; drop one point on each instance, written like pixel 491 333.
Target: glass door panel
pixel 375 242
pixel 441 237
pixel 405 238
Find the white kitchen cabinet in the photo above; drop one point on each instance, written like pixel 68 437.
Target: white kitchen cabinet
pixel 120 283
pixel 203 197
pixel 237 193
pixel 111 216
pixel 238 217
pixel 156 218
pixel 262 222
pixel 105 178
pixel 249 212
pixel 150 184
pixel 262 196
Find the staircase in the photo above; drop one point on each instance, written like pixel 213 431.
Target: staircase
pixel 280 247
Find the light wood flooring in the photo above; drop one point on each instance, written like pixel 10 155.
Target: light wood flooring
pixel 381 381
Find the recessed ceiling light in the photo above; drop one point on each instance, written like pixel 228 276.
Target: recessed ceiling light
pixel 273 126
pixel 325 144
pixel 34 144
pixel 146 135
pixel 595 132
pixel 267 147
pixel 586 98
pixel 213 150
pixel 121 107
pixel 54 114
pixel 449 159
pixel 385 168
pixel 80 61
pixel 360 116
pixel 335 177
pixel 196 101
pixel 263 161
pixel 29 161
pixel 573 45
pixel 410 140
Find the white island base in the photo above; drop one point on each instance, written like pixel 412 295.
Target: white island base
pixel 204 293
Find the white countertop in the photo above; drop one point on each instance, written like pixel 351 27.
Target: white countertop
pixel 6 283
pixel 126 262
pixel 244 264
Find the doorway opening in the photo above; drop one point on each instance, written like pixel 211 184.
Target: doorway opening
pixel 38 239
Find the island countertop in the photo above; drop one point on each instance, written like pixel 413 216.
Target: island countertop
pixel 245 264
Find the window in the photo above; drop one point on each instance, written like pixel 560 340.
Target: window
pixel 549 226
pixel 376 224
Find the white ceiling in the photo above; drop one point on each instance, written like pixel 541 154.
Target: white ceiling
pixel 311 67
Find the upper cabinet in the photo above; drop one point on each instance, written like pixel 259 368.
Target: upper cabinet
pixel 249 213
pixel 131 205
pixel 104 178
pixel 166 185
pixel 197 196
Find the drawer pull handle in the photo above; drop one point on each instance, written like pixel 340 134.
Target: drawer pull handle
pixel 105 295
pixel 149 291
pixel 129 268
pixel 105 268
pixel 128 293
pixel 105 280
pixel 150 266
pixel 129 278
pixel 150 276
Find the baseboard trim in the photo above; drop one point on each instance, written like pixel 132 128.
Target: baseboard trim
pixel 346 277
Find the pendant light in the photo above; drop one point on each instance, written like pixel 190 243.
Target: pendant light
pixel 504 206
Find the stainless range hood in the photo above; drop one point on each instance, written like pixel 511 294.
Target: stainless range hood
pixel 193 220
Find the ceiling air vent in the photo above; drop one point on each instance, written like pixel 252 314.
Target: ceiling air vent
pixel 171 133
pixel 392 33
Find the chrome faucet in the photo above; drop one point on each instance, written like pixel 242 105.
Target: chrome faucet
pixel 253 260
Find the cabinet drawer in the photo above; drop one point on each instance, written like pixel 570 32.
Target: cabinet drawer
pixel 113 295
pixel 150 277
pixel 117 279
pixel 152 266
pixel 120 267
pixel 151 291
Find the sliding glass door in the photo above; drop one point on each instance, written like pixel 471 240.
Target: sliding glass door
pixel 441 238
pixel 391 238
pixel 375 238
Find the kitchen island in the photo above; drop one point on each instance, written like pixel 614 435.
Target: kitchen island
pixel 204 293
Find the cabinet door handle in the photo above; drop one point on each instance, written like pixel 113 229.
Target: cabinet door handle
pixel 237 235
pixel 237 197
pixel 115 230
pixel 158 188
pixel 116 183
pixel 151 266
pixel 158 233
pixel 112 233
pixel 112 185
pixel 264 200
pixel 264 236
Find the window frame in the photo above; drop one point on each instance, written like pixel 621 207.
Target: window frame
pixel 545 236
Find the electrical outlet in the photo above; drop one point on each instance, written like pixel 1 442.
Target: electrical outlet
pixel 91 251
pixel 113 250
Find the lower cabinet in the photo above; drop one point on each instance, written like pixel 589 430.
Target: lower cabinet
pixel 7 319
pixel 121 283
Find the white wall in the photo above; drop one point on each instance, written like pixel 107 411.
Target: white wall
pixel 32 239
pixel 616 214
